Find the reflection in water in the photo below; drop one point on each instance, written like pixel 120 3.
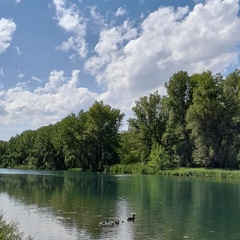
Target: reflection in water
pixel 71 205
pixel 36 222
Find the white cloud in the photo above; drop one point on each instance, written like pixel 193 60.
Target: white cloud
pixel 36 79
pixel 71 20
pixel 128 62
pixel 59 97
pixel 1 72
pixel 20 75
pixel 120 12
pixel 97 18
pixel 130 65
pixel 109 48
pixel 18 51
pixel 7 28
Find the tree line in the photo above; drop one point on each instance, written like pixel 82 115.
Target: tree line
pixel 196 124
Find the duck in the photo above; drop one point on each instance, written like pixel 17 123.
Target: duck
pixel 117 222
pixel 131 218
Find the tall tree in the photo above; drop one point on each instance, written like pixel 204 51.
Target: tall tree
pixel 103 124
pixel 73 140
pixel 3 149
pixel 204 119
pixel 231 120
pixel 149 122
pixel 132 147
pixel 177 137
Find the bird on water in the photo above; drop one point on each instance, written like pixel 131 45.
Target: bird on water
pixel 131 218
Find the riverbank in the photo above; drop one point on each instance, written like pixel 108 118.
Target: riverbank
pixel 187 172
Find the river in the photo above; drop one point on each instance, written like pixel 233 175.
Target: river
pixel 74 205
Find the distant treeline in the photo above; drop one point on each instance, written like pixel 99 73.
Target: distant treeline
pixel 196 124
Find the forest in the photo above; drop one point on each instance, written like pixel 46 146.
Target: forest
pixel 196 124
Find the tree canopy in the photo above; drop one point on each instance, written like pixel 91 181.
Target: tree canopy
pixel 197 123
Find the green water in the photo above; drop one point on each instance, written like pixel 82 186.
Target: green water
pixel 73 205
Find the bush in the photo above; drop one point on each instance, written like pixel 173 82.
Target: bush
pixel 159 158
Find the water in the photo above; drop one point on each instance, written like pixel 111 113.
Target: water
pixel 72 205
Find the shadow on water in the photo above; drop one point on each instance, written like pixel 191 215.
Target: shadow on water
pixel 87 204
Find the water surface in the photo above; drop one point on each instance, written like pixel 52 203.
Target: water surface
pixel 73 205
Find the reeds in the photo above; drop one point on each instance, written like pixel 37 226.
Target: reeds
pixel 186 172
pixel 10 231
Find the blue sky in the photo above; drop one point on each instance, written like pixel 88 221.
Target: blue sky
pixel 59 56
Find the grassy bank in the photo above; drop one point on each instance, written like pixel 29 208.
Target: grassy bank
pixel 187 172
pixel 139 168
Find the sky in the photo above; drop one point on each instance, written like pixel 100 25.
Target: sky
pixel 59 56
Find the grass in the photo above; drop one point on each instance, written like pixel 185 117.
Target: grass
pixel 202 172
pixel 136 168
pixel 10 231
pixel 186 172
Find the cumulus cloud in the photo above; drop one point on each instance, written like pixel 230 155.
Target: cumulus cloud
pixel 130 65
pixel 7 28
pixel 109 48
pixel 71 20
pixel 128 61
pixel 48 104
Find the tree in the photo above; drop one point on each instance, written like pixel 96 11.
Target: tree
pixel 159 158
pixel 103 123
pixel 131 147
pixel 204 119
pixel 3 149
pixel 73 140
pixel 149 122
pixel 231 120
pixel 177 137
pixel 43 154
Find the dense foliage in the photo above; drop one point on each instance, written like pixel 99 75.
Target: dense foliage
pixel 88 140
pixel 197 124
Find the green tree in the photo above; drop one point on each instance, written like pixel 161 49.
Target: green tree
pixel 131 147
pixel 204 119
pixel 73 140
pixel 177 137
pixel 103 124
pixel 149 122
pixel 14 152
pixel 3 150
pixel 231 120
pixel 43 154
pixel 159 158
